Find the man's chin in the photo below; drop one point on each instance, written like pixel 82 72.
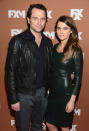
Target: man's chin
pixel 38 31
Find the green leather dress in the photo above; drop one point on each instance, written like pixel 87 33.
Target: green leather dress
pixel 61 87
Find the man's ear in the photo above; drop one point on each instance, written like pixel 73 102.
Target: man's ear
pixel 28 20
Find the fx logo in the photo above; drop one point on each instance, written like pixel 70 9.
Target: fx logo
pixel 77 112
pixel 49 14
pixel 79 35
pixel 12 122
pixel 50 34
pixel 15 31
pixel 16 13
pixel 76 14
pixel 73 128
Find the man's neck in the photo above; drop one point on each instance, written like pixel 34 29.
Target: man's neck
pixel 37 36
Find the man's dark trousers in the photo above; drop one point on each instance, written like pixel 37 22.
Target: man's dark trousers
pixel 32 109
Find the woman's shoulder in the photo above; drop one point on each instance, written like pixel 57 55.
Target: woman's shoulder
pixel 79 53
pixel 79 50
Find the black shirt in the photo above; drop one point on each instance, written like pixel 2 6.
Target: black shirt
pixel 40 80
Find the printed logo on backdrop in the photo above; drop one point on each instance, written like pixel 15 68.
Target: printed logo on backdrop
pixel 16 14
pixel 44 126
pixel 73 128
pixel 76 14
pixel 15 32
pixel 49 14
pixel 77 112
pixel 79 35
pixel 18 31
pixel 22 14
pixel 51 35
pixel 12 122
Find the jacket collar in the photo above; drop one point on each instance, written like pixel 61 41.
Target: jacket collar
pixel 30 36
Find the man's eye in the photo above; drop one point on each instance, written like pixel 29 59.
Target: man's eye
pixel 58 28
pixel 43 19
pixel 35 18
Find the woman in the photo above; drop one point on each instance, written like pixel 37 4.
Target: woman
pixel 67 58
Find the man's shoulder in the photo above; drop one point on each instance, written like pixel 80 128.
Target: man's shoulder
pixel 48 40
pixel 16 39
pixel 22 35
pixel 46 37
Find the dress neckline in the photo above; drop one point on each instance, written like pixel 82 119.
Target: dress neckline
pixel 57 51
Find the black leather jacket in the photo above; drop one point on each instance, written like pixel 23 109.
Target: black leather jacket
pixel 21 62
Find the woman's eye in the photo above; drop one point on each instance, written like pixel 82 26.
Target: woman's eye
pixel 65 28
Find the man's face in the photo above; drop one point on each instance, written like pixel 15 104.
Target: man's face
pixel 37 21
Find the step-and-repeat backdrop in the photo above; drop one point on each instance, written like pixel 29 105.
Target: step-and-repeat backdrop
pixel 13 22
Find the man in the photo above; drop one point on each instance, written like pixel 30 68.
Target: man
pixel 28 71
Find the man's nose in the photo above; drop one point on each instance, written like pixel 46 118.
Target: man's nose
pixel 39 21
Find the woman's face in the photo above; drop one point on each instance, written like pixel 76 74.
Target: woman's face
pixel 63 31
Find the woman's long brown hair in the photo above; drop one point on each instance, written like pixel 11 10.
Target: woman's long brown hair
pixel 73 42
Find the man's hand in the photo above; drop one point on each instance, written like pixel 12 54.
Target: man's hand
pixel 15 107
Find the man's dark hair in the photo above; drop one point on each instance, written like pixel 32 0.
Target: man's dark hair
pixel 38 6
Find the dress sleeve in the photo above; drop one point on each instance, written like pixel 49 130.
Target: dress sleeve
pixel 78 60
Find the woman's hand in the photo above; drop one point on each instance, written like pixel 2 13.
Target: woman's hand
pixel 70 104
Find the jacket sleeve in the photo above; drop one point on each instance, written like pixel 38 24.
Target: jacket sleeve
pixel 10 68
pixel 78 72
